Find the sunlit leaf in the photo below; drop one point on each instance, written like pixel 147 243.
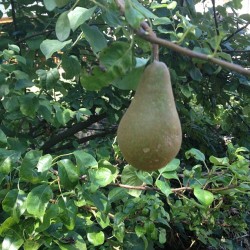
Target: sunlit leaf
pixel 164 187
pixel 96 238
pixel 79 15
pixel 49 47
pixel 95 37
pixel 195 153
pixel 38 199
pixel 63 27
pixel 14 203
pixel 129 177
pixel 204 197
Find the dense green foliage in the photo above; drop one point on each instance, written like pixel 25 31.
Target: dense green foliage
pixel 68 70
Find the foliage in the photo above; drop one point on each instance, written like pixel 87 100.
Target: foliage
pixel 68 71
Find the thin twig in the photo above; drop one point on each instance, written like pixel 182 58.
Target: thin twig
pixel 221 188
pixel 236 51
pixel 174 190
pixel 35 34
pixel 236 32
pixel 215 18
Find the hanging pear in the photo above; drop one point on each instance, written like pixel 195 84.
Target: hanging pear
pixel 149 134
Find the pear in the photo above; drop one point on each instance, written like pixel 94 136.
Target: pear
pixel 149 134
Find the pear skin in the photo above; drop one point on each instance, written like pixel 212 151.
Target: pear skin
pixel 149 134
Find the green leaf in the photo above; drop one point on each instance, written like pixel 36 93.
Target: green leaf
pixel 29 105
pixel 144 11
pixel 30 244
pixel 219 161
pixel 28 171
pixel 14 48
pixel 18 144
pixel 129 177
pixel 119 231
pixel 52 77
pixel 204 197
pixel 7 226
pixel 49 4
pixel 23 83
pixel 117 194
pixel 101 177
pixel 44 163
pixel 96 238
pixel 14 203
pixel 102 219
pixel 171 166
pixel 95 37
pixel 246 17
pixel 6 165
pixel 64 116
pixel 50 216
pixel 20 75
pixel 162 236
pixel 49 47
pixel 224 56
pixel 71 66
pixel 170 175
pixel 196 74
pixel 38 199
pixel 117 58
pixel 164 187
pixel 140 230
pixel 195 153
pixel 79 15
pixel 132 15
pixel 97 80
pixel 12 242
pixel 68 173
pixel 144 176
pixel 237 4
pixel 84 161
pixel 130 80
pixel 79 243
pixel 62 27
pixel 186 90
pixel 161 20
pixel 241 167
pixel 21 59
pixel 68 213
pixel 98 199
pixel 45 110
pixel 172 5
pixel 61 3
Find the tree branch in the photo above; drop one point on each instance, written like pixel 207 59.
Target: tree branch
pixel 147 34
pixel 86 139
pixel 34 35
pixel 215 18
pixel 193 54
pixel 236 32
pixel 174 190
pixel 236 51
pixel 71 131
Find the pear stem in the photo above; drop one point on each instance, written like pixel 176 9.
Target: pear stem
pixel 155 47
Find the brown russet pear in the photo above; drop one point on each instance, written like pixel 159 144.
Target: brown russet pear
pixel 149 134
